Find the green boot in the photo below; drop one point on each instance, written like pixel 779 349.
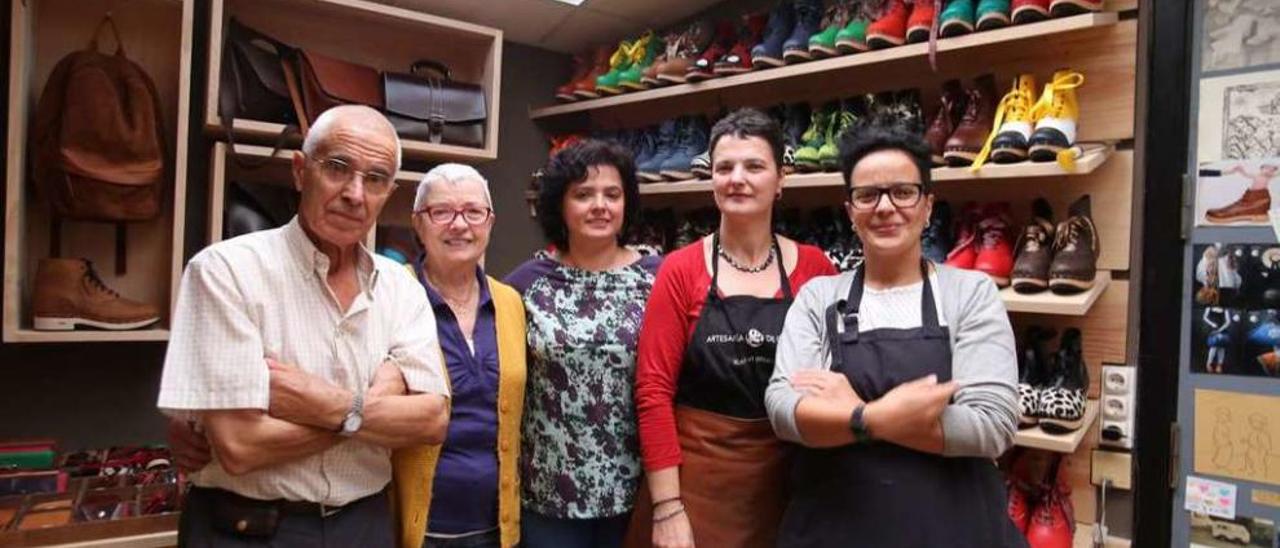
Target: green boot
pixel 807 156
pixel 823 44
pixel 957 18
pixel 829 153
pixel 607 83
pixel 853 37
pixel 649 48
pixel 993 14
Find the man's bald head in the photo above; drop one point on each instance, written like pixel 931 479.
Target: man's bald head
pixel 345 116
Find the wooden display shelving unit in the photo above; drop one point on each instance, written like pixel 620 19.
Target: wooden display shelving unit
pixel 157 36
pixel 223 169
pixel 373 34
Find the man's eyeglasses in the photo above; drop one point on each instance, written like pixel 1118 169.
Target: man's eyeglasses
pixel 339 172
pixel 444 215
pixel 901 195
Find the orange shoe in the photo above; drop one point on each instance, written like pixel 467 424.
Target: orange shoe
pixel 585 87
pixel 891 28
pixel 920 22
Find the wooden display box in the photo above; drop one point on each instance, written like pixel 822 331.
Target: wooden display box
pixel 376 35
pixel 157 36
pixel 223 169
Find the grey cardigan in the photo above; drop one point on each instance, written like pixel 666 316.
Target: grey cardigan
pixel 981 420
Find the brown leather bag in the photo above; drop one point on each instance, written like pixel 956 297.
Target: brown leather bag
pixel 326 82
pixel 96 137
pixel 435 108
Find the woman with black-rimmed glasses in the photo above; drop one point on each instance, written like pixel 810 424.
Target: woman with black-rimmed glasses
pixel 899 377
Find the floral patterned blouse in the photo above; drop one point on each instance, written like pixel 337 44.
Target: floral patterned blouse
pixel 580 456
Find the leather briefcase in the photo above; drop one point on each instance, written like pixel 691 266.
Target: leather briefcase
pixel 252 82
pixel 435 108
pixel 327 82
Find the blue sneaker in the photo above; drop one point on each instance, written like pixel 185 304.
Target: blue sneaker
pixel 768 53
pixel 691 142
pixel 808 23
pixel 650 170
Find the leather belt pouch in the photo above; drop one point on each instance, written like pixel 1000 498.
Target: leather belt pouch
pixel 243 516
pixel 327 82
pixel 436 109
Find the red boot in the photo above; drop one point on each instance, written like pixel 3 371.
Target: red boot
pixel 965 251
pixel 1030 11
pixel 581 64
pixel 1053 523
pixel 995 246
pixel 920 23
pixel 891 28
pixel 703 67
pixel 1019 505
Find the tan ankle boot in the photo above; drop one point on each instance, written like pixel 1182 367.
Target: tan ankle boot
pixel 69 293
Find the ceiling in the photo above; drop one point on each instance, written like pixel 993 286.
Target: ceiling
pixel 552 25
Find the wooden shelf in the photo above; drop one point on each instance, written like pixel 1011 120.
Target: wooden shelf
pixel 1047 302
pixel 33 336
pixel 1000 38
pixel 1094 156
pixel 1036 438
pixel 1084 538
pixel 372 34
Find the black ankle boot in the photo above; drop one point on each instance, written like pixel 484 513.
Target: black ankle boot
pixel 1062 400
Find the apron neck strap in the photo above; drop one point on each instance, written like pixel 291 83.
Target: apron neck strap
pixel 713 291
pixel 928 310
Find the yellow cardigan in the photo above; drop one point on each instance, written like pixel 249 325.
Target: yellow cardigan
pixel 414 467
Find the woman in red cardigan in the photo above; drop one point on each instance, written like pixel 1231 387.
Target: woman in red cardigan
pixel 706 351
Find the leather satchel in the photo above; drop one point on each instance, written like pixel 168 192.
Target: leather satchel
pixel 326 82
pixel 435 108
pixel 252 80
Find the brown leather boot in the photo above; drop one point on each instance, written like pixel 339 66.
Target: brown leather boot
pixel 1035 251
pixel 1075 250
pixel 585 87
pixel 1251 207
pixel 966 142
pixel 69 293
pixel 944 123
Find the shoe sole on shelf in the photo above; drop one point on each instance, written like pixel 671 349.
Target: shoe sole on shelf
pixel 1068 286
pixel 649 177
pixel 608 91
pixel 918 35
pixel 805 167
pixel 767 62
pixel 1058 427
pixel 46 323
pixel 1044 153
pixel 633 86
pixel 822 52
pixel 954 28
pixel 959 158
pixel 1067 8
pixel 846 47
pixel 1246 218
pixel 992 21
pixel 701 173
pixel 583 94
pixel 1029 14
pixel 1008 155
pixel 797 56
pixel 699 76
pixel 672 79
pixel 882 41
pixel 830 165
pixel 1025 422
pixel 729 71
pixel 671 175
pixel 1001 282
pixel 1030 285
pixel 566 97
pixel 651 82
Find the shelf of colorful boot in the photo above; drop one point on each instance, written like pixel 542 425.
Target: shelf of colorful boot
pixel 1044 30
pixel 1048 302
pixel 1037 438
pixel 1084 538
pixel 1092 156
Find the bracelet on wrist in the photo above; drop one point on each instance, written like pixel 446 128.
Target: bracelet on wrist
pixel 666 500
pixel 670 515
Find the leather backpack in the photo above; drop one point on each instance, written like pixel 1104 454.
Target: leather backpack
pixel 96 138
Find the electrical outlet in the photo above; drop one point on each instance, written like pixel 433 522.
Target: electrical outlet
pixel 1119 384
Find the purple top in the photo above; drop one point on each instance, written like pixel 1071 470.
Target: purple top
pixel 465 495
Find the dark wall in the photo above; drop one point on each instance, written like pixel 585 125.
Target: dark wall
pixel 102 394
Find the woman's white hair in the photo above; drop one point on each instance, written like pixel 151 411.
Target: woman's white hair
pixel 451 173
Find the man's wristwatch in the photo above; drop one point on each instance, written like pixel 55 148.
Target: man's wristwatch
pixel 859 428
pixel 355 416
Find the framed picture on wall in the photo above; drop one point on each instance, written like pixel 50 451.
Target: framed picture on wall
pixel 1237 192
pixel 1240 117
pixel 1239 34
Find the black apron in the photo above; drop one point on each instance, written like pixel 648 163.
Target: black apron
pixel 882 494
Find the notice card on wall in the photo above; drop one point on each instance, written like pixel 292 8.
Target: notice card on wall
pixel 1214 498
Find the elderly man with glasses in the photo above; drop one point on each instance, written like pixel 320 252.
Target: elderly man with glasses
pixel 302 360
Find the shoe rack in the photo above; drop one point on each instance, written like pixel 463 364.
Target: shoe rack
pixel 256 165
pixel 1103 46
pixel 373 34
pixel 158 37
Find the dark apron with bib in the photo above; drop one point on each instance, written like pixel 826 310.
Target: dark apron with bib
pixel 881 494
pixel 734 468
